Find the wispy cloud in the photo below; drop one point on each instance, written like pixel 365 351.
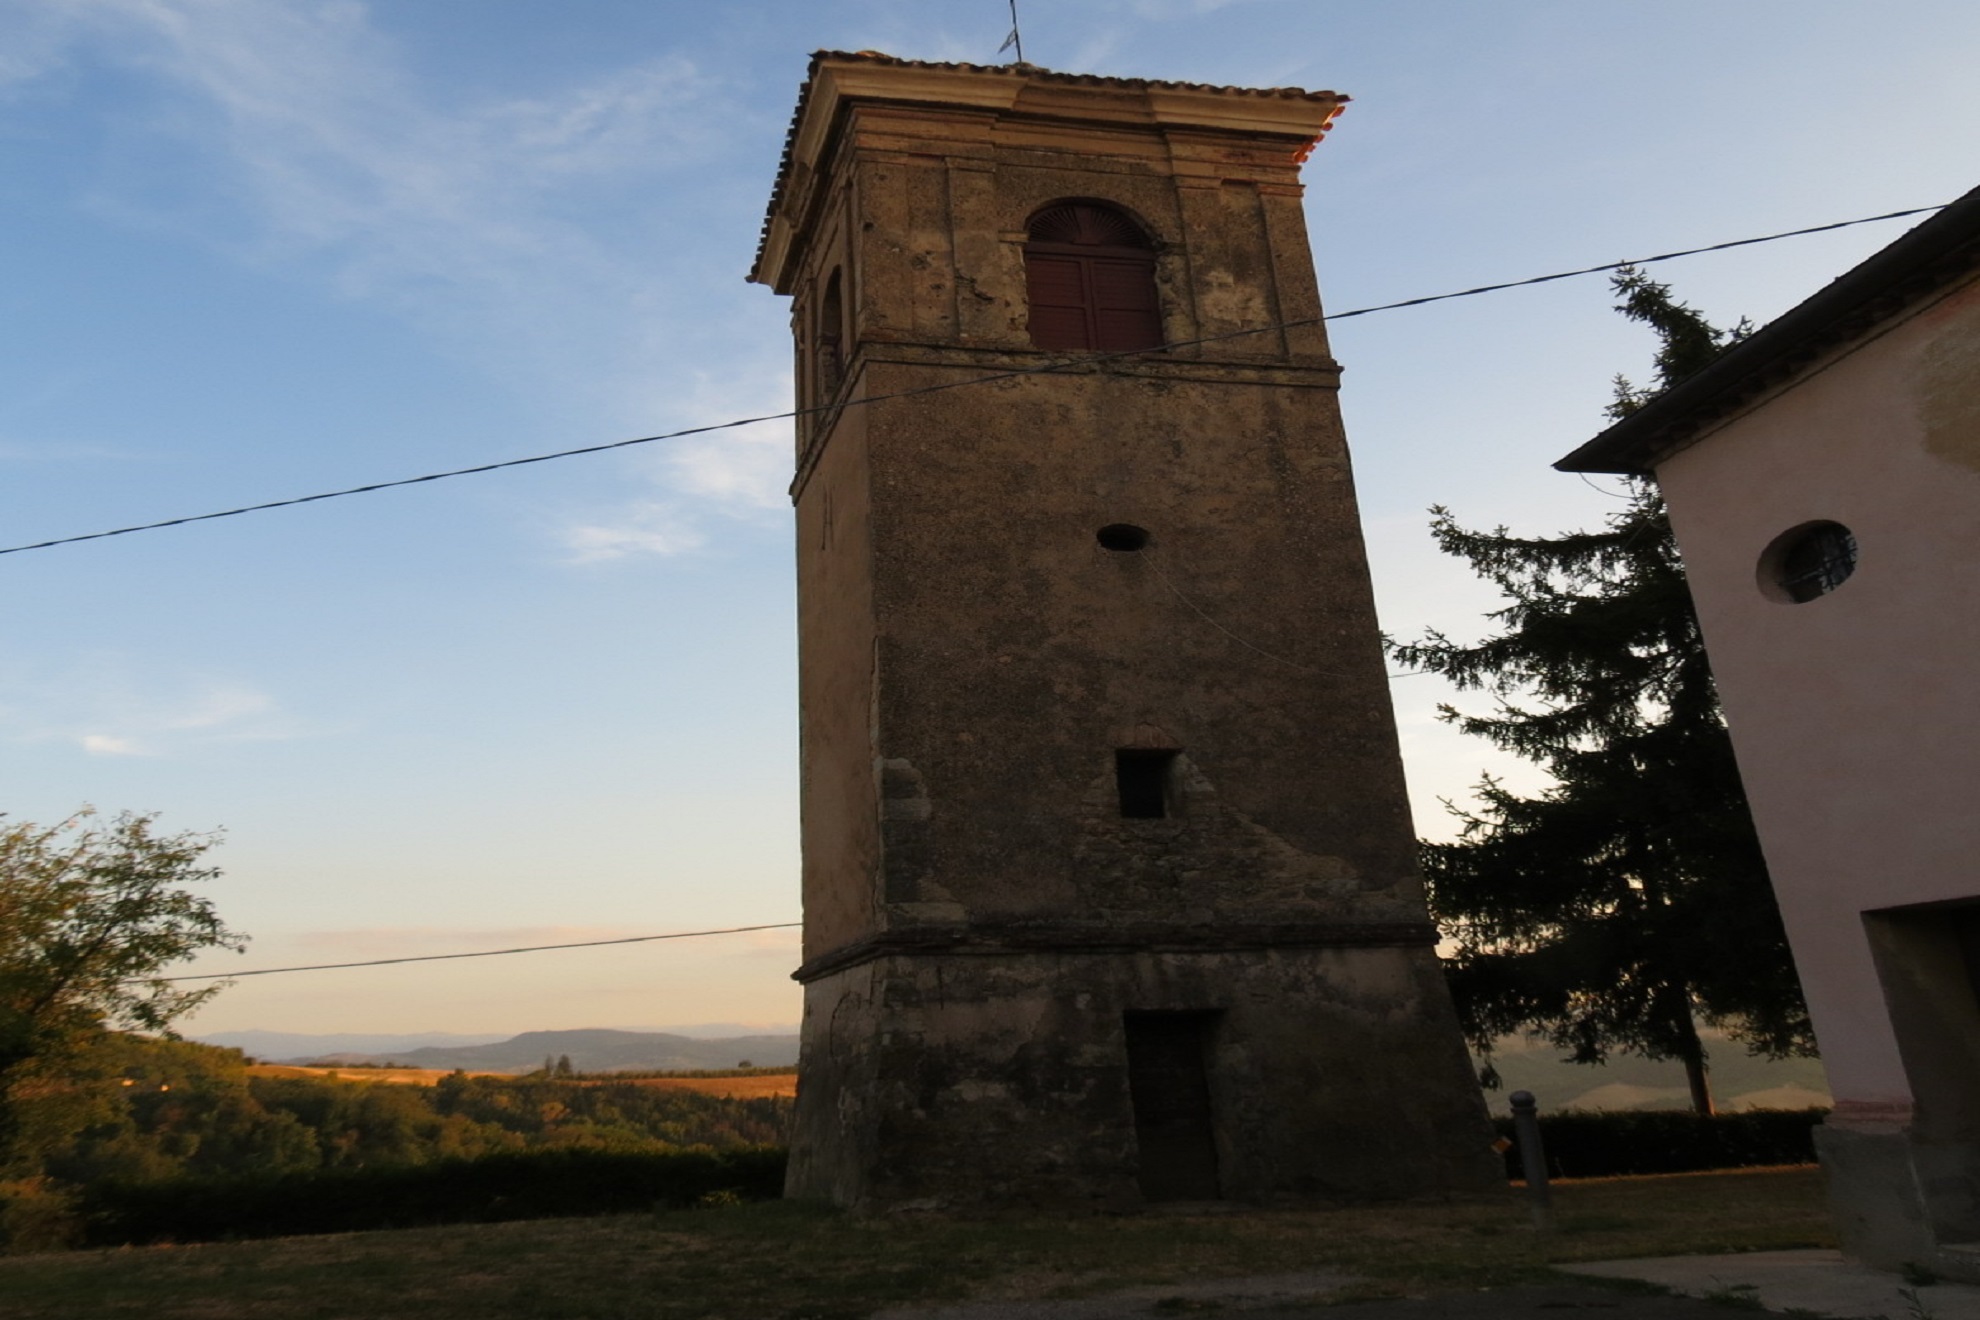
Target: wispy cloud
pixel 649 527
pixel 303 140
pixel 35 44
pixel 741 469
pixel 741 474
pixel 339 154
pixel 107 706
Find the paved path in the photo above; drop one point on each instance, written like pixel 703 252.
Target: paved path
pixel 1565 1301
pixel 1818 1281
pixel 1303 1297
pixel 1248 1294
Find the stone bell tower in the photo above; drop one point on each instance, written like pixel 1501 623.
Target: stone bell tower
pixel 1110 890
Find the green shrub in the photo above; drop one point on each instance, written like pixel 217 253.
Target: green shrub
pixel 538 1184
pixel 36 1216
pixel 1592 1144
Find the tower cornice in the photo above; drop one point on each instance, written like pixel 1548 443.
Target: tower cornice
pixel 839 80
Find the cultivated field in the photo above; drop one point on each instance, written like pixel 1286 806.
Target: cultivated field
pixel 743 1087
pixel 735 1088
pixel 395 1076
pixel 785 1261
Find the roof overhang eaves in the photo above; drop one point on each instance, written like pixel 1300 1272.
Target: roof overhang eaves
pixel 1941 251
pixel 837 79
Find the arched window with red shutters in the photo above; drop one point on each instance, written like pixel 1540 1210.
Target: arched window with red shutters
pixel 1090 277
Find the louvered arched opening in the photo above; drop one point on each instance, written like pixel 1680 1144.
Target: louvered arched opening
pixel 1090 278
pixel 831 339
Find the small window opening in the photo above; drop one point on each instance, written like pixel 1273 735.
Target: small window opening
pixel 1810 561
pixel 1144 776
pixel 1122 537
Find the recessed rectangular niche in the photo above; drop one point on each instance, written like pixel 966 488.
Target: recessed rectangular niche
pixel 1925 957
pixel 1144 777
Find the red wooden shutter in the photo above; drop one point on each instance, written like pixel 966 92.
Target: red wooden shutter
pixel 1059 302
pixel 1126 312
pixel 1090 278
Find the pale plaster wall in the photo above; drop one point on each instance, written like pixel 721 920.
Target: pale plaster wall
pixel 1854 715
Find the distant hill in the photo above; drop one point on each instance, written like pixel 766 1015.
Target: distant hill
pixel 284 1044
pixel 593 1050
pixel 1739 1080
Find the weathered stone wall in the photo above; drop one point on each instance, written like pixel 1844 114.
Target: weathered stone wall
pixel 990 1079
pixel 838 790
pixel 1015 654
pixel 979 911
pixel 942 202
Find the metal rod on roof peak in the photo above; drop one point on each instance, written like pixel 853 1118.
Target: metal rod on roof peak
pixel 1015 40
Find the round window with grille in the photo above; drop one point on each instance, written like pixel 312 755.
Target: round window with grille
pixel 1808 561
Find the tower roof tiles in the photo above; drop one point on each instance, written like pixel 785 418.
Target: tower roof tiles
pixel 1328 102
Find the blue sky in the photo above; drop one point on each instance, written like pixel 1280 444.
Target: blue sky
pixel 255 250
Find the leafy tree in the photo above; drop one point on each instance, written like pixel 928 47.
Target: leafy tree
pixel 165 1109
pixel 1628 901
pixel 89 916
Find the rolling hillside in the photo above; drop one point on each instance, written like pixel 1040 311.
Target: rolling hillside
pixel 590 1050
pixel 1739 1080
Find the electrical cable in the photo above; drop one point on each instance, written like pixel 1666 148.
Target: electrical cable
pixel 1068 364
pixel 1155 566
pixel 1063 365
pixel 1614 495
pixel 479 953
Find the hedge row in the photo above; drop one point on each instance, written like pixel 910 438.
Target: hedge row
pixel 519 1185
pixel 545 1184
pixel 1602 1145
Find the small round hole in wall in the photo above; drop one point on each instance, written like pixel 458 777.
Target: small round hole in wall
pixel 1808 561
pixel 1123 538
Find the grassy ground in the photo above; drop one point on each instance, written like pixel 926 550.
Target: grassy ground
pixel 783 1261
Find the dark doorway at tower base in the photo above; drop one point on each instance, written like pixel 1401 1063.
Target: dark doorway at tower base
pixel 1169 1081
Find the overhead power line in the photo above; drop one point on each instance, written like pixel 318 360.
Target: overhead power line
pixel 1064 364
pixel 479 953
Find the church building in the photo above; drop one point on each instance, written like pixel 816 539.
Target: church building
pixel 1823 477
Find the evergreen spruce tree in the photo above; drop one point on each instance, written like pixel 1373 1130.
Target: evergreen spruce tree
pixel 1628 902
